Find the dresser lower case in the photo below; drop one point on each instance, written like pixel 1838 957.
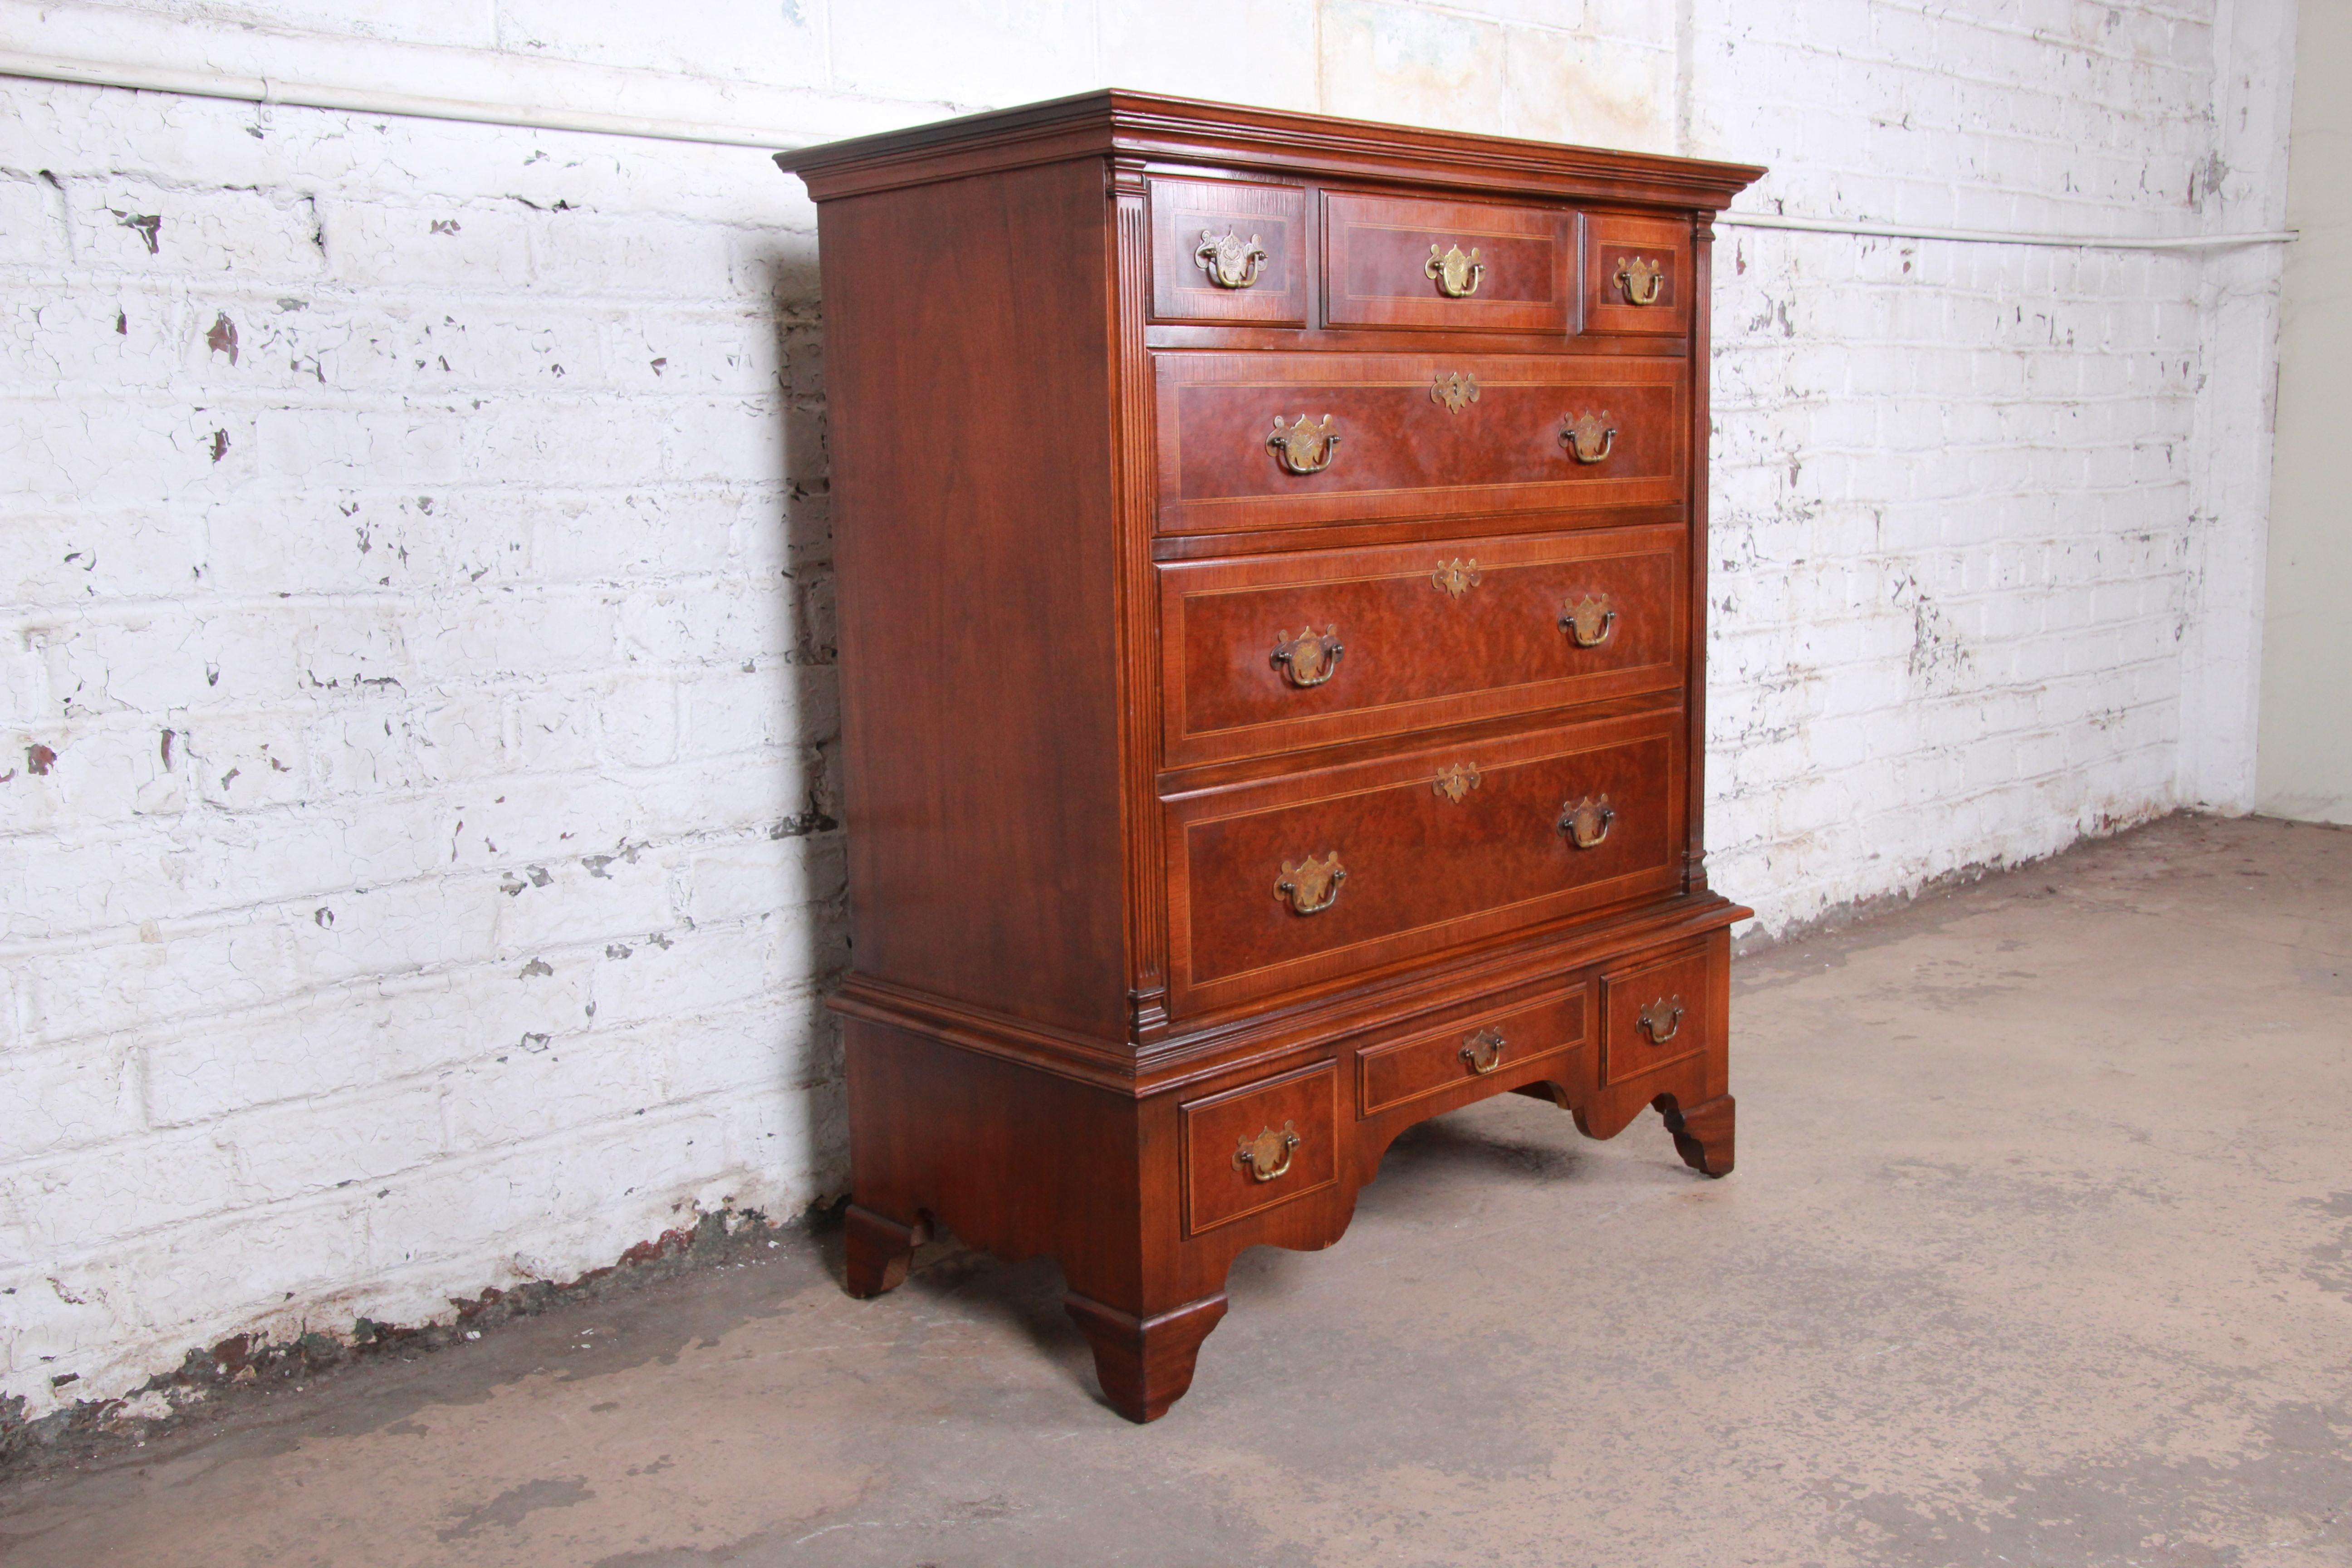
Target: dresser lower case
pixel 1146 1193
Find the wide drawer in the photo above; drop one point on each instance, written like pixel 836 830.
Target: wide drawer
pixel 1436 1060
pixel 1275 440
pixel 1264 1143
pixel 1270 653
pixel 1463 267
pixel 1282 882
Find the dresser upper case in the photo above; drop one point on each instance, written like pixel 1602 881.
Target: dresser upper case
pixel 1271 606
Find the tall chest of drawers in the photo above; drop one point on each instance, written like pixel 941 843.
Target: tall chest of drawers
pixel 1271 568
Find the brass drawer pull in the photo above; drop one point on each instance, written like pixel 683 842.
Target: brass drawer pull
pixel 1589 621
pixel 1590 436
pixel 1662 1020
pixel 1311 657
pixel 1455 782
pixel 1312 886
pixel 1587 822
pixel 1455 577
pixel 1640 277
pixel 1456 275
pixel 1456 389
pixel 1231 261
pixel 1267 1155
pixel 1483 1051
pixel 1304 449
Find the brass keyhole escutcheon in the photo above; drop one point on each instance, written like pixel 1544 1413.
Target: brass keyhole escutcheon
pixel 1456 389
pixel 1455 782
pixel 1267 1155
pixel 1590 437
pixel 1311 657
pixel 1662 1020
pixel 1312 886
pixel 1589 621
pixel 1304 449
pixel 1455 577
pixel 1455 275
pixel 1641 279
pixel 1231 261
pixel 1587 822
pixel 1483 1051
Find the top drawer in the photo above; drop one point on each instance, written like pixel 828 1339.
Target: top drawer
pixel 1637 274
pixel 1228 252
pixel 1463 267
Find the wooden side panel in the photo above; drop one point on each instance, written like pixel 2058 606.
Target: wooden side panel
pixel 1015 1160
pixel 971 429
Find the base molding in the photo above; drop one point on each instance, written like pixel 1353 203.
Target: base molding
pixel 1145 1198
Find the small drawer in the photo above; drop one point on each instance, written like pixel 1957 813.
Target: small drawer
pixel 1327 872
pixel 1463 267
pixel 1655 1013
pixel 1445 1059
pixel 1228 252
pixel 1262 1145
pixel 1637 274
pixel 1276 440
pixel 1275 653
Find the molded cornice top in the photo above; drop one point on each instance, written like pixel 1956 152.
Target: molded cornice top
pixel 1146 126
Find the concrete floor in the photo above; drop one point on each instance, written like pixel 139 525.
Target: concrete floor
pixel 2039 1251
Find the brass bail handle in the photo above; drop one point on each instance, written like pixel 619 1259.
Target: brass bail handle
pixel 1310 658
pixel 1304 449
pixel 1587 822
pixel 1590 437
pixel 1641 279
pixel 1231 261
pixel 1312 886
pixel 1455 275
pixel 1267 1155
pixel 1662 1020
pixel 1589 621
pixel 1483 1051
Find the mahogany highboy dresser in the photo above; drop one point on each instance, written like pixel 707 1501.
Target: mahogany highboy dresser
pixel 1272 581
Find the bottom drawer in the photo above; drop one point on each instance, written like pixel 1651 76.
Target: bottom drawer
pixel 1429 1063
pixel 1655 1012
pixel 1266 1143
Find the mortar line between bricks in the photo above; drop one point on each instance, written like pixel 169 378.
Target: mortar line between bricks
pixel 205 924
pixel 296 1205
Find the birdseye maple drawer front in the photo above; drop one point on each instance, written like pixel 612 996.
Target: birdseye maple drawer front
pixel 1392 261
pixel 1439 1059
pixel 1266 1143
pixel 1637 274
pixel 1268 653
pixel 1228 251
pixel 1654 1013
pixel 1280 882
pixel 1275 440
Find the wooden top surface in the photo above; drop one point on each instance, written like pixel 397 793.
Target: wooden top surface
pixel 1178 129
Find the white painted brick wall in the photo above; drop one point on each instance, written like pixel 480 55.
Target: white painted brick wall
pixel 434 885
